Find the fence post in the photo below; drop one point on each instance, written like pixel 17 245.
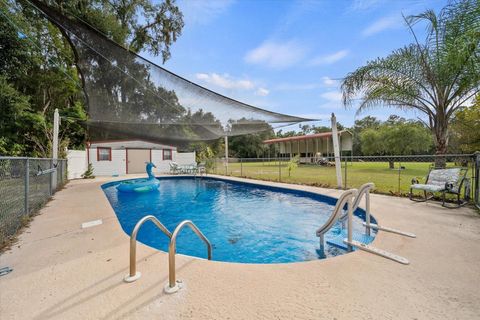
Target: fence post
pixel 241 167
pixel 346 173
pixel 477 178
pixel 27 184
pixel 51 178
pixel 399 173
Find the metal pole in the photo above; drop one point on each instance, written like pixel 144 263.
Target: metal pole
pixel 399 172
pixel 345 172
pixel 477 179
pixel 27 184
pixel 336 151
pixel 56 124
pixel 51 178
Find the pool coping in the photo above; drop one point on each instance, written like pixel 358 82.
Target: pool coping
pixel 50 254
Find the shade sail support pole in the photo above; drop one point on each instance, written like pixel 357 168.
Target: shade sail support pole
pixel 336 151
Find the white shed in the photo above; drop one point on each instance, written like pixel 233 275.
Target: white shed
pixel 112 158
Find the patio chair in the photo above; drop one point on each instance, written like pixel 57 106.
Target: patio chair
pixel 445 181
pixel 202 168
pixel 192 168
pixel 174 169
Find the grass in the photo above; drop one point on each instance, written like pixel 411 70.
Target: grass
pixel 387 181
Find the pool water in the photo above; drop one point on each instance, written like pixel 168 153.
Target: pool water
pixel 244 222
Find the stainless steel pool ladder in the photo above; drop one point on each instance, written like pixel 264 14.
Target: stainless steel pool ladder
pixel 172 285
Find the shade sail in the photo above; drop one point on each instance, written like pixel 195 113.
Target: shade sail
pixel 130 97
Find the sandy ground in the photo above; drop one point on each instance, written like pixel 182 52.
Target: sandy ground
pixel 62 271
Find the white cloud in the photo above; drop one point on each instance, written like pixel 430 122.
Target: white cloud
pixel 297 86
pixel 325 82
pixel 334 101
pixel 329 82
pixel 225 81
pixel 203 12
pixel 330 58
pixel 382 24
pixel 276 55
pixel 262 92
pixel 332 96
pixel 363 5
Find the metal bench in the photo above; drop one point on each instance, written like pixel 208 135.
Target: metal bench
pixel 445 181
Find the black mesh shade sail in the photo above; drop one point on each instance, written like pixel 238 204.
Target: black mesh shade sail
pixel 129 97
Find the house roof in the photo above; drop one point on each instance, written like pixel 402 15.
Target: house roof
pixel 306 137
pixel 134 144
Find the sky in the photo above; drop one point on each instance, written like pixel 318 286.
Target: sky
pixel 289 56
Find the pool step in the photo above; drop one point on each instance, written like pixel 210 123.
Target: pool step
pixel 337 241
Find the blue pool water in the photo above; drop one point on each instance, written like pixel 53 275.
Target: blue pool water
pixel 245 223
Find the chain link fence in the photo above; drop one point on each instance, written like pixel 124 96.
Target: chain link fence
pixel 391 174
pixel 26 184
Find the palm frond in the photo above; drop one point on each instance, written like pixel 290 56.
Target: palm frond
pixel 436 76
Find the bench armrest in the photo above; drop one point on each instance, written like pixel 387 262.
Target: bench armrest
pixel 449 186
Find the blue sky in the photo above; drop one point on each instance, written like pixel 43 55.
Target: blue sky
pixel 286 56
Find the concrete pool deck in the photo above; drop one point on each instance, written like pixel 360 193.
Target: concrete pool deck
pixel 61 271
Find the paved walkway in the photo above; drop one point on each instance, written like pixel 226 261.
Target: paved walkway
pixel 62 271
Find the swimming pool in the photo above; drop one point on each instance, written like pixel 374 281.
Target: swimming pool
pixel 246 223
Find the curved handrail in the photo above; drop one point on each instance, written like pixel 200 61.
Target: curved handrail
pixel 133 275
pixel 344 198
pixel 172 248
pixel 363 190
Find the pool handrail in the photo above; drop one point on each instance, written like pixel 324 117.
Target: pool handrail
pixel 345 198
pixel 363 190
pixel 133 274
pixel 172 285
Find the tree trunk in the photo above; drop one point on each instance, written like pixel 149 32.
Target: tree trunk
pixel 440 133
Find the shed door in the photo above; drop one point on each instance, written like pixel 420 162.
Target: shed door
pixel 136 160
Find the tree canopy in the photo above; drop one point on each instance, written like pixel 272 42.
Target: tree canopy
pixel 396 136
pixel 39 65
pixel 466 129
pixel 434 77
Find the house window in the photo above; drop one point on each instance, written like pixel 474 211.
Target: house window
pixel 104 154
pixel 167 154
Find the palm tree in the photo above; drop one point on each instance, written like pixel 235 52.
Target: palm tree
pixel 435 78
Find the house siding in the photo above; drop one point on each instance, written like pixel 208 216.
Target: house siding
pixel 118 163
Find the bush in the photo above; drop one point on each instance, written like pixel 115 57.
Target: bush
pixel 89 173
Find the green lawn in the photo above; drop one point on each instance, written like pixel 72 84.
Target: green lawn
pixel 387 181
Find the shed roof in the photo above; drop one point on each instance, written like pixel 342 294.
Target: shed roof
pixel 133 144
